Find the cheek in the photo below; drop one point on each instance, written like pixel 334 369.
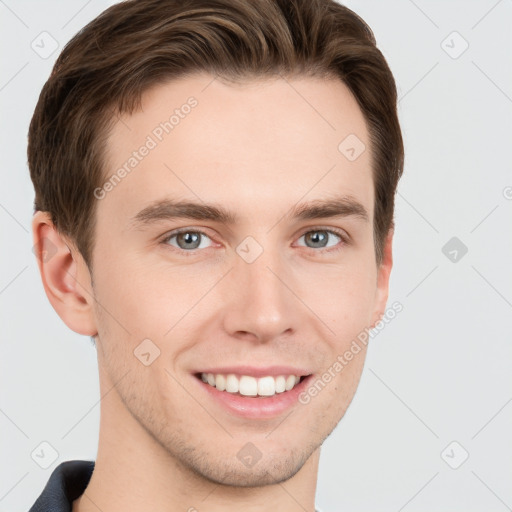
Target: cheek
pixel 151 302
pixel 341 296
pixel 348 302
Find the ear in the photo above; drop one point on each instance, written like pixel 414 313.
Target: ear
pixel 383 273
pixel 65 275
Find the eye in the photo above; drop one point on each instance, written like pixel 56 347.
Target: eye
pixel 319 238
pixel 186 239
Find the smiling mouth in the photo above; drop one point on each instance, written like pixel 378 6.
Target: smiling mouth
pixel 251 387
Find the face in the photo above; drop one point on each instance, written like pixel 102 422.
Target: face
pixel 248 286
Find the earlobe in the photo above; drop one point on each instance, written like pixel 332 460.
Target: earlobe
pixel 65 276
pixel 383 273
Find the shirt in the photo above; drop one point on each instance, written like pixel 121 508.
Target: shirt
pixel 67 482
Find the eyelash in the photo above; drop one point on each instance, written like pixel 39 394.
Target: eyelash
pixel 344 240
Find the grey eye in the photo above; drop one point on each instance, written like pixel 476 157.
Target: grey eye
pixel 318 238
pixel 188 240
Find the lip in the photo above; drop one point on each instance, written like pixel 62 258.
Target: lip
pixel 253 371
pixel 255 407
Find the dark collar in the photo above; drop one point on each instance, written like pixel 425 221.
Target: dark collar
pixel 67 482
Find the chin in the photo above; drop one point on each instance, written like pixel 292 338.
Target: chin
pixel 269 470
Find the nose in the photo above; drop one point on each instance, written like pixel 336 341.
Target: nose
pixel 261 304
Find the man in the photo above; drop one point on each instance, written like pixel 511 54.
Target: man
pixel 215 187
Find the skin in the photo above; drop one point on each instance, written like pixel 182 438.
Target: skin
pixel 164 445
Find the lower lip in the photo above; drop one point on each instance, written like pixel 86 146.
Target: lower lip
pixel 255 407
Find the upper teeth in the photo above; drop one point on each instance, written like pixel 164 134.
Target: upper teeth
pixel 251 386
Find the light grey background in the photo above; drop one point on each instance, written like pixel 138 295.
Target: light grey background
pixel 438 373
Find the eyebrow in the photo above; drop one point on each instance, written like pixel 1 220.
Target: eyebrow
pixel 168 209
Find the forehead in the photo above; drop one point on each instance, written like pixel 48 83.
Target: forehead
pixel 258 147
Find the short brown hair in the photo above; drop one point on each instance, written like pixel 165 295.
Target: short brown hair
pixel 103 71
